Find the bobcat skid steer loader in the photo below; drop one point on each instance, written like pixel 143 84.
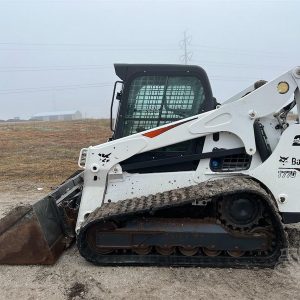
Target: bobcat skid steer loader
pixel 183 181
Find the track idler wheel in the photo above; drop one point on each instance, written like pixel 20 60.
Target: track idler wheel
pixel 235 253
pixel 167 250
pixel 188 251
pixel 211 252
pixel 142 250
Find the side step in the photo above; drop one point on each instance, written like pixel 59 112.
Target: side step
pixel 39 233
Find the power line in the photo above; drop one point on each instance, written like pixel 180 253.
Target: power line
pixel 102 67
pixel 73 45
pixel 136 1
pixel 109 47
pixel 103 84
pixel 104 1
pixel 110 66
pixel 237 65
pixel 238 51
pixel 232 78
pixel 148 49
pixel 53 88
pixel 142 50
pixel 54 68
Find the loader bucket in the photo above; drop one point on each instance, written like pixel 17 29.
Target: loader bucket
pixel 39 233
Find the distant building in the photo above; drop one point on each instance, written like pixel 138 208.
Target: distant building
pixel 15 119
pixel 57 116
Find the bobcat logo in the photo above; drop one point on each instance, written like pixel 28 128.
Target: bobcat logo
pixel 104 158
pixel 283 160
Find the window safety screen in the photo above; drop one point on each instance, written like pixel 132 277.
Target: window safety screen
pixel 156 100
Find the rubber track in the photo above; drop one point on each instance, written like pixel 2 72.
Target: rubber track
pixel 204 191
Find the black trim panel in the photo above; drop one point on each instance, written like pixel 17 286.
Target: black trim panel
pixel 180 159
pixel 290 217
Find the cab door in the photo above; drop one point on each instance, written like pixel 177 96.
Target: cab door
pixel 155 95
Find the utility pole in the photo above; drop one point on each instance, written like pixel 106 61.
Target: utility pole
pixel 187 55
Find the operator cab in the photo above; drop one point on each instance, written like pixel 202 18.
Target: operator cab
pixel 154 95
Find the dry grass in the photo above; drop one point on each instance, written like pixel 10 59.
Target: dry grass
pixel 43 154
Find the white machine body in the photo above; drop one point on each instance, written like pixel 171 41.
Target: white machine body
pixel 104 180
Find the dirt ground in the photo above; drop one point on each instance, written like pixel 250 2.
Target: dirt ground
pixel 74 278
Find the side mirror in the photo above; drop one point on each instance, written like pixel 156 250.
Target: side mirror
pixel 119 96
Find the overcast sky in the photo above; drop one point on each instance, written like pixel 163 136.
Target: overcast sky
pixel 59 54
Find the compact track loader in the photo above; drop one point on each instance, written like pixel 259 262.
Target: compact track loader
pixel 184 181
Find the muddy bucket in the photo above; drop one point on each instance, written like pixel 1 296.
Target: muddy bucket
pixel 39 233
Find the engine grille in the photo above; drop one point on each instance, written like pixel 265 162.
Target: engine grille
pixel 231 163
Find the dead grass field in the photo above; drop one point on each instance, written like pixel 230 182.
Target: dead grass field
pixel 43 154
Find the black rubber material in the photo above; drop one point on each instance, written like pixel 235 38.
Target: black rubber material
pixel 207 190
pixel 263 148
